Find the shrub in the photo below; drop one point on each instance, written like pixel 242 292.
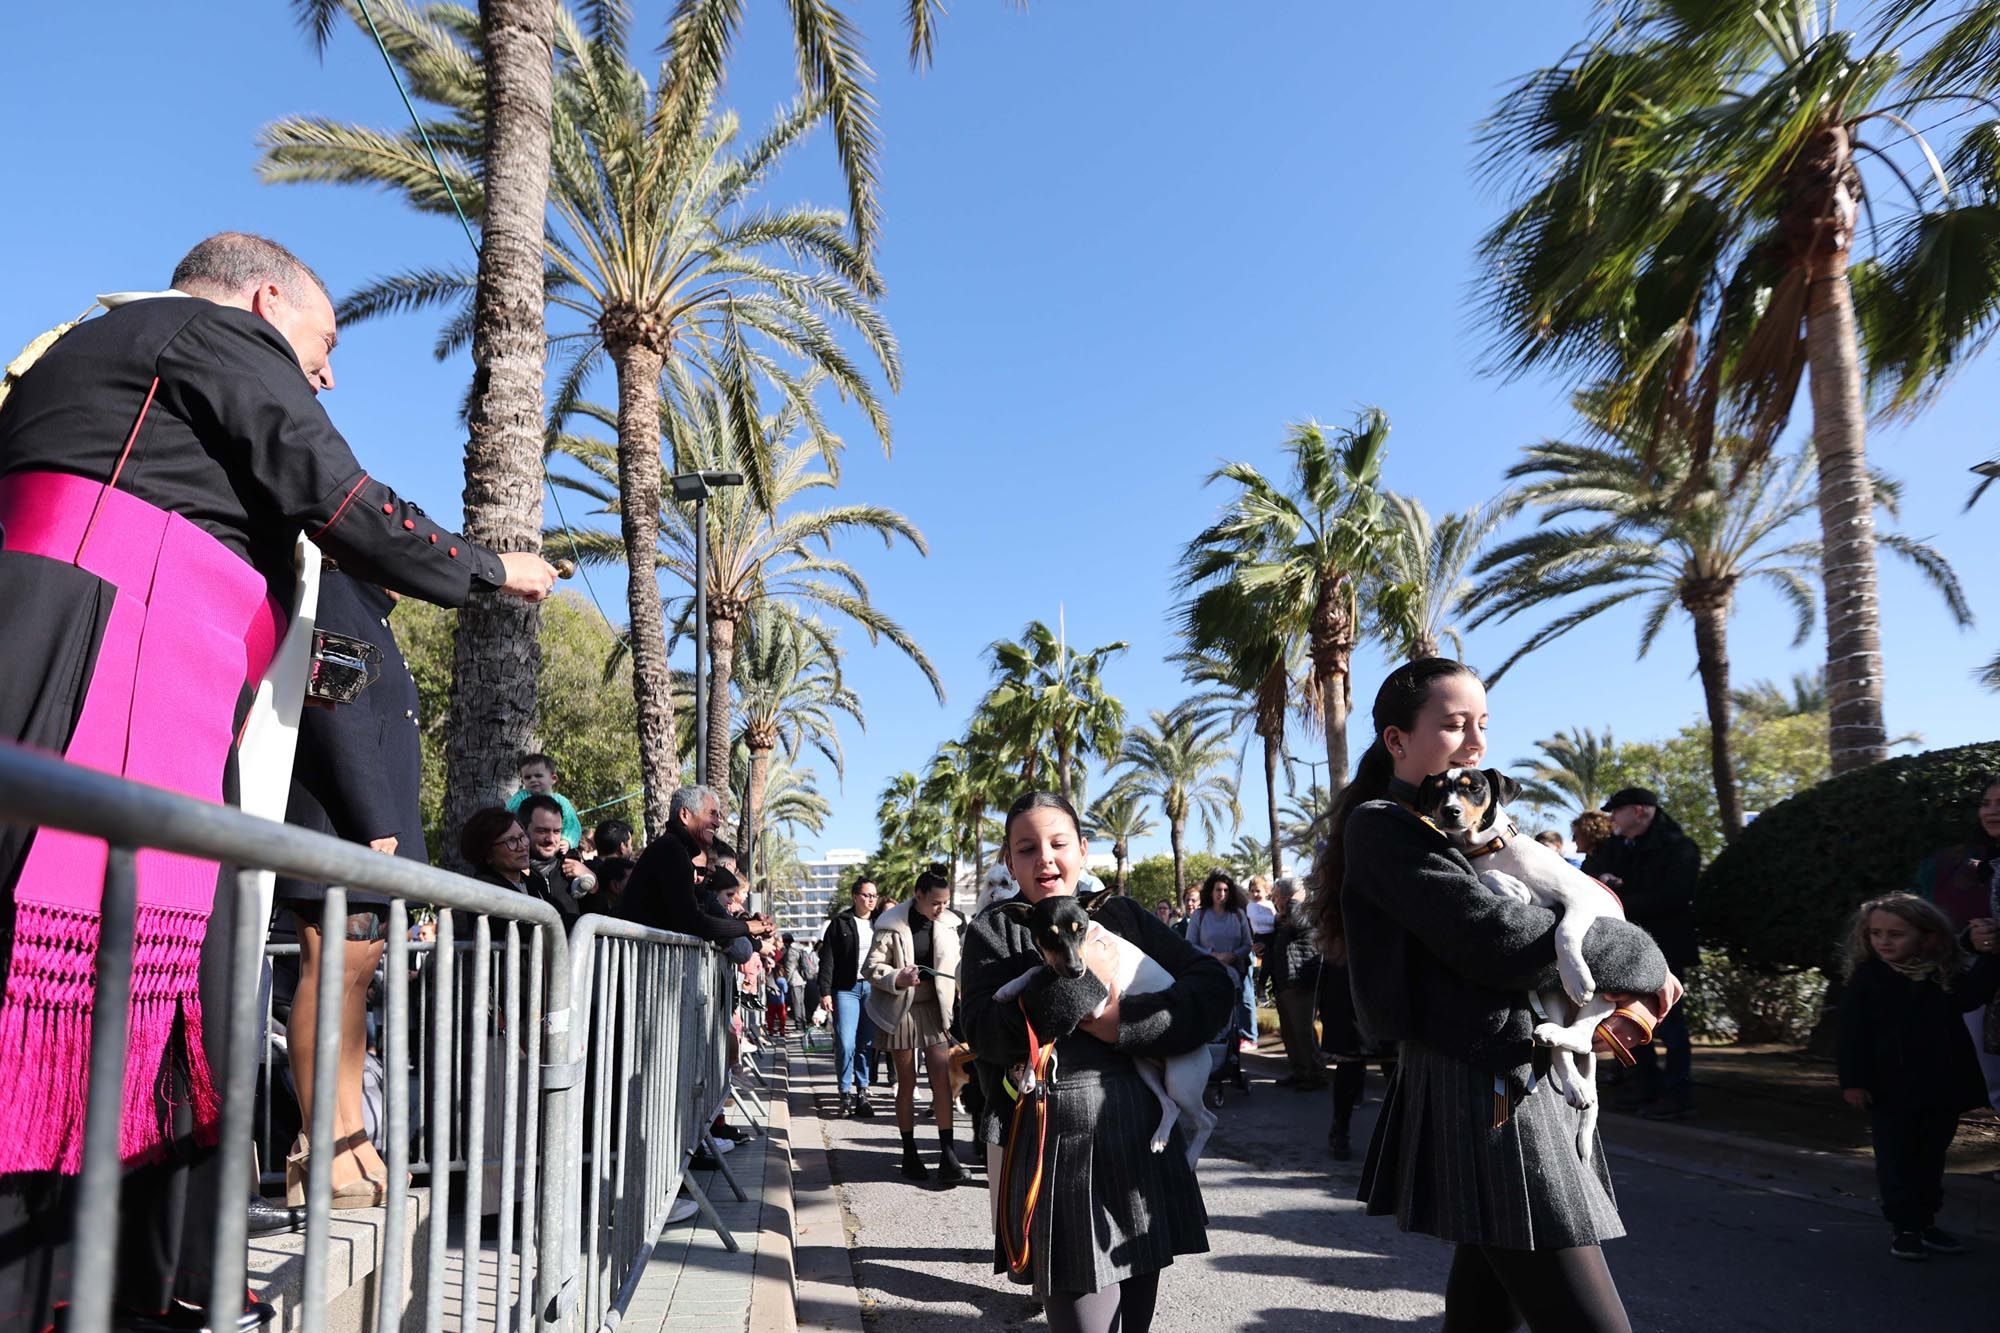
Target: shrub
pixel 1728 1002
pixel 1778 898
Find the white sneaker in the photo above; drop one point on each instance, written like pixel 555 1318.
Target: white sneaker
pixel 723 1147
pixel 683 1208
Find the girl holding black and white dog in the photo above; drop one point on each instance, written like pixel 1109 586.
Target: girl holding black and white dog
pixel 1113 1213
pixel 1473 1144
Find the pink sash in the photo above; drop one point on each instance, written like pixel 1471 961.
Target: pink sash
pixel 191 625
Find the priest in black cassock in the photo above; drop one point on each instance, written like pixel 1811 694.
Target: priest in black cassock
pixel 158 465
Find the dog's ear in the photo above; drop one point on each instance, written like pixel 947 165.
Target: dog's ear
pixel 1429 790
pixel 1017 910
pixel 1092 902
pixel 1505 789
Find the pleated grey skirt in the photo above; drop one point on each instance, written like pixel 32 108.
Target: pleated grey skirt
pixel 1111 1208
pixel 1439 1167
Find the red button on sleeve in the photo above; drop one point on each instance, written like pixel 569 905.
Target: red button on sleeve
pixel 434 539
pixel 409 525
pixel 388 509
pixel 454 553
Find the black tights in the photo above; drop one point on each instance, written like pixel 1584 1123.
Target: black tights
pixel 1554 1291
pixel 1123 1307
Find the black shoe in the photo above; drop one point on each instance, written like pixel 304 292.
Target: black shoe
pixel 950 1170
pixel 913 1165
pixel 181 1317
pixel 704 1160
pixel 274 1219
pixel 862 1106
pixel 1338 1145
pixel 1939 1241
pixel 1908 1245
pixel 730 1132
pixel 845 1105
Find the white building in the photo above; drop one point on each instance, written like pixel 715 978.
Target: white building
pixel 804 911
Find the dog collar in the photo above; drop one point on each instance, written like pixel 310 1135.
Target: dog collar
pixel 1493 845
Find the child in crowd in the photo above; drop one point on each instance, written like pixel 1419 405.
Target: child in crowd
pixel 1906 1058
pixel 539 778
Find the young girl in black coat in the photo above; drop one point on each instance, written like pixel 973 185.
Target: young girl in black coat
pixel 1473 1145
pixel 1112 1213
pixel 1906 1058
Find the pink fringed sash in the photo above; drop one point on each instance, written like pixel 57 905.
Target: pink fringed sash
pixel 191 625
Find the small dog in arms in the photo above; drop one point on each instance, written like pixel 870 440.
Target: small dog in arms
pixel 1063 926
pixel 1466 805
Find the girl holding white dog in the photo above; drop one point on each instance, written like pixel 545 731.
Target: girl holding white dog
pixel 1473 1144
pixel 1111 1212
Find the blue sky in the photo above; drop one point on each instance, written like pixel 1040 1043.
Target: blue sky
pixel 1124 241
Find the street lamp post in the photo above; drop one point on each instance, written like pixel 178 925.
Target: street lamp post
pixel 698 486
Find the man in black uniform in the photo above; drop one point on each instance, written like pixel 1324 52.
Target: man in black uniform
pixel 157 465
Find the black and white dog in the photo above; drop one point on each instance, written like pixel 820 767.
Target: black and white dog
pixel 1466 805
pixel 1062 924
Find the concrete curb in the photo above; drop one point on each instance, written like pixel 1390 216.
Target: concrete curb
pixel 828 1299
pixel 774 1276
pixel 1837 1179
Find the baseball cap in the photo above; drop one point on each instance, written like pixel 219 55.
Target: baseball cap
pixel 1632 796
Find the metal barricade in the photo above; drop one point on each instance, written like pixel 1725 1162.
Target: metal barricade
pixel 528 1038
pixel 652 1011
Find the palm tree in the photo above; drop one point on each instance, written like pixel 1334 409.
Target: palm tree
pixel 1422 582
pixel 1574 769
pixel 1248 857
pixel 790 693
pixel 1303 817
pixel 1045 689
pixel 1306 551
pixel 651 247
pixel 1119 818
pixel 1644 541
pixel 495 652
pixel 1697 177
pixel 962 780
pixel 1766 700
pixel 1173 758
pixel 1238 648
pixel 911 830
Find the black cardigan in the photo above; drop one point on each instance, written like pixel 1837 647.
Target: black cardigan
pixel 1434 956
pixel 997 949
pixel 1905 1041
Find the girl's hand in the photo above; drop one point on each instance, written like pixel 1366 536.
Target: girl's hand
pixel 1855 1097
pixel 1669 996
pixel 1102 960
pixel 907 977
pixel 1104 1027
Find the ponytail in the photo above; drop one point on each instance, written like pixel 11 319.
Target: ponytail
pixel 1371 783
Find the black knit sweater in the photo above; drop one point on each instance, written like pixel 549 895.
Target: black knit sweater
pixel 1435 957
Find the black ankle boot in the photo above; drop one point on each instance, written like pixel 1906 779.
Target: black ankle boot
pixel 949 1171
pixel 1337 1141
pixel 846 1103
pixel 913 1165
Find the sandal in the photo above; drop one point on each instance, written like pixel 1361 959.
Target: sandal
pixel 368 1192
pixel 1639 1016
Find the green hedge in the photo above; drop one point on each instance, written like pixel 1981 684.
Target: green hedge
pixel 1778 898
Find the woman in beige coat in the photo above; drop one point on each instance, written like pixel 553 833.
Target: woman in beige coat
pixel 912 971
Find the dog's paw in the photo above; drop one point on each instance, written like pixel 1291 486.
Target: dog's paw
pixel 1504 885
pixel 1560 1037
pixel 1578 982
pixel 1159 1143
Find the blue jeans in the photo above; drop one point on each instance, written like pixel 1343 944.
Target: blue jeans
pixel 1246 1012
pixel 853 1037
pixel 1672 1033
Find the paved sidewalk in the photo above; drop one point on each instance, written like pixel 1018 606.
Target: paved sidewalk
pixel 692 1284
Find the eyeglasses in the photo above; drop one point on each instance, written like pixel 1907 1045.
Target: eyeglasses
pixel 512 840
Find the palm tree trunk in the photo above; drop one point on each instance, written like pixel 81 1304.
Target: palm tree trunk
pixel 638 366
pixel 1423 646
pixel 1063 762
pixel 1175 828
pixel 1710 610
pixel 1273 752
pixel 1334 701
pixel 721 671
pixel 495 652
pixel 753 801
pixel 1856 734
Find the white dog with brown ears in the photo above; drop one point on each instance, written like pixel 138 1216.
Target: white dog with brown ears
pixel 1466 805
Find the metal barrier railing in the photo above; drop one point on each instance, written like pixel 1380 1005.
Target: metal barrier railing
pixel 656 1071
pixel 536 1058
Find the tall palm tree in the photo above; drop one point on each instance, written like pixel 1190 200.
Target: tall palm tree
pixel 1698 177
pixel 963 779
pixel 1306 548
pixel 1248 856
pixel 1303 817
pixel 911 829
pixel 1422 582
pixel 496 653
pixel 1174 758
pixel 1044 688
pixel 1119 818
pixel 1238 649
pixel 1641 540
pixel 790 695
pixel 1574 769
pixel 650 246
pixel 1766 700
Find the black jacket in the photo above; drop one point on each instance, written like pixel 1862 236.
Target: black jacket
pixel 1292 959
pixel 235 442
pixel 661 892
pixel 1905 1041
pixel 1189 1013
pixel 840 954
pixel 535 886
pixel 1433 956
pixel 1658 870
pixel 359 765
